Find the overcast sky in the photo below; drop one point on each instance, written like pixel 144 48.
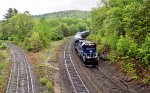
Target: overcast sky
pixel 36 7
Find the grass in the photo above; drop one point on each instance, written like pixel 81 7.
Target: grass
pixel 55 48
pixel 4 69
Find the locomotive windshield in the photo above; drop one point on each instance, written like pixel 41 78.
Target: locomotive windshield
pixel 91 45
pixel 90 48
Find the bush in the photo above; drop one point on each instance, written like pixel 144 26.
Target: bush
pixel 101 48
pixel 49 85
pixel 144 52
pixel 3 54
pixel 126 47
pixel 56 36
pixel 112 56
pixel 129 67
pixel 43 81
pixel 146 80
pixel 3 46
pixel 36 42
pixel 112 40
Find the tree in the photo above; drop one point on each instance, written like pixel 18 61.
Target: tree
pixel 64 29
pixel 121 28
pixel 10 13
pixel 34 43
pixel 73 29
pixel 82 26
pixel 18 27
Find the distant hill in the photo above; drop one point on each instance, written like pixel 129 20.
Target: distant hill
pixel 66 14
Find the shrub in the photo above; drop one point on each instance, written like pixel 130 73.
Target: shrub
pixel 36 42
pixel 3 46
pixel 43 81
pixel 3 53
pixel 112 40
pixel 144 52
pixel 146 80
pixel 56 36
pixel 129 67
pixel 49 85
pixel 126 47
pixel 112 56
pixel 101 48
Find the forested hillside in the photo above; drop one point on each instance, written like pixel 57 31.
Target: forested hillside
pixel 66 14
pixel 121 28
pixel 35 34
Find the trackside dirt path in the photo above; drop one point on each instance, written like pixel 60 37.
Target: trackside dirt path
pixel 22 78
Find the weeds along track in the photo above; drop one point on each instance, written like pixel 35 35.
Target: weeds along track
pixel 100 79
pixel 21 78
pixel 116 86
pixel 111 85
pixel 74 77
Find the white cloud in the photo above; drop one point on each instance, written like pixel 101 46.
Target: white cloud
pixel 45 6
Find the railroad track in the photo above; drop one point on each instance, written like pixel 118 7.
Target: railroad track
pixel 104 83
pixel 112 85
pixel 21 78
pixel 74 77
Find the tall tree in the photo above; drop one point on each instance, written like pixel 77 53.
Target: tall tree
pixel 10 13
pixel 82 26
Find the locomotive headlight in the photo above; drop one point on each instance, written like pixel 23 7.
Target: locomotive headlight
pixel 88 57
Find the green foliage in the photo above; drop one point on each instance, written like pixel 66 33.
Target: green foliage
pixel 56 37
pixel 124 27
pixel 146 80
pixel 73 29
pixel 18 27
pixel 112 56
pixel 64 29
pixel 4 75
pixel 3 46
pixel 136 21
pixel 35 43
pixel 144 52
pixel 126 47
pixel 82 26
pixel 3 54
pixel 43 81
pixel 49 85
pixel 113 40
pixel 66 14
pixel 10 13
pixel 129 67
pixel 36 34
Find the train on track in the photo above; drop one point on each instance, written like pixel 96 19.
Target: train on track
pixel 85 49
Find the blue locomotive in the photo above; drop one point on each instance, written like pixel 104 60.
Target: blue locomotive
pixel 86 49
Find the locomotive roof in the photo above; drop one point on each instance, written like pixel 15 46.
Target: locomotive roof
pixel 77 36
pixel 86 42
